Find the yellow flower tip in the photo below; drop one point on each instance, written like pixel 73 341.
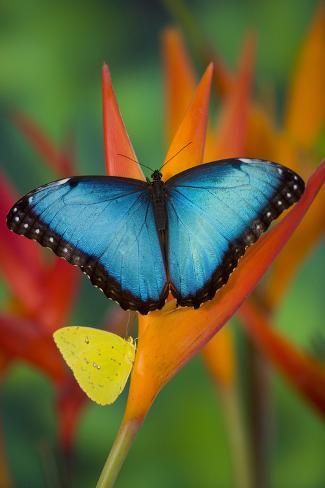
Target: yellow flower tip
pixel 192 130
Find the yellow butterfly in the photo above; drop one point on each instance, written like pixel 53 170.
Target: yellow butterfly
pixel 100 361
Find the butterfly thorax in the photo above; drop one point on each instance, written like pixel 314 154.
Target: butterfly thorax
pixel 156 175
pixel 158 195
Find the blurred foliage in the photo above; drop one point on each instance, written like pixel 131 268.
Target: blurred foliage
pixel 51 55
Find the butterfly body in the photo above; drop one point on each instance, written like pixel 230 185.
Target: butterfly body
pixel 159 201
pixel 139 240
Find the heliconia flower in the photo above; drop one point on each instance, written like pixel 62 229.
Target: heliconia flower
pixel 41 293
pixel 304 119
pixel 259 138
pixel 294 144
pixel 219 354
pixel 169 338
pixel 264 140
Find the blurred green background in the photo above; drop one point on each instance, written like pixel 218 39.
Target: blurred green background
pixel 51 56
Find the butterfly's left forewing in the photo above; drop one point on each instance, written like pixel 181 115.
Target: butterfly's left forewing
pixel 100 361
pixel 104 225
pixel 215 211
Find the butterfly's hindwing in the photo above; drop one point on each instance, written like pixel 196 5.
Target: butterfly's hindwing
pixel 215 211
pixel 105 226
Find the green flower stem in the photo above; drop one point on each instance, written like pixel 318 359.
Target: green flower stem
pixel 239 445
pixel 118 453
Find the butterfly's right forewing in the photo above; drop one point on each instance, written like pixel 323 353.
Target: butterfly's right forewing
pixel 215 211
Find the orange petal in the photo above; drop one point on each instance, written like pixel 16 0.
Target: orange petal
pixel 219 357
pixel 188 22
pixel 168 339
pixel 262 138
pixel 222 78
pixel 179 79
pixel 303 372
pixel 59 161
pixel 232 128
pixel 192 131
pixel 305 115
pixel 116 139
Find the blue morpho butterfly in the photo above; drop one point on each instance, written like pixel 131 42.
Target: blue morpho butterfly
pixel 137 240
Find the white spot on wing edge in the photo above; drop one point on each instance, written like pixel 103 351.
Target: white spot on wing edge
pixel 245 160
pixel 61 182
pixel 252 160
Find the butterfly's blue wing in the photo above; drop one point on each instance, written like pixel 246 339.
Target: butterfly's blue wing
pixel 215 211
pixel 104 225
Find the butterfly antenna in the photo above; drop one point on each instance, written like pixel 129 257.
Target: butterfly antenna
pixel 135 161
pixel 176 154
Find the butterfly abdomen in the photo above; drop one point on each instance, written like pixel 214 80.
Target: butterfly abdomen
pixel 159 204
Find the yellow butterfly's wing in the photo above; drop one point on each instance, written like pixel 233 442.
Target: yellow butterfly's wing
pixel 100 361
